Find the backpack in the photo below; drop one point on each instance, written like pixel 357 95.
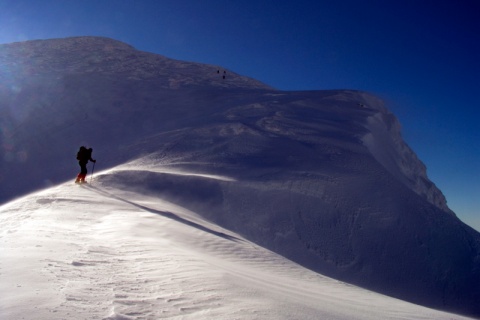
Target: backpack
pixel 82 154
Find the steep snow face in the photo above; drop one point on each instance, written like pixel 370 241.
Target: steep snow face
pixel 385 143
pixel 322 178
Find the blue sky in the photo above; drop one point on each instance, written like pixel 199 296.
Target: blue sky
pixel 422 57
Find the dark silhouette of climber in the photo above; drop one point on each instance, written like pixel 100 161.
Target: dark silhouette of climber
pixel 83 156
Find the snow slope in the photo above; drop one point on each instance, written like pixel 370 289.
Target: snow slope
pixel 101 252
pixel 322 178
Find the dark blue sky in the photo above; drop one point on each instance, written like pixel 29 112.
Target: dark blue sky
pixel 422 57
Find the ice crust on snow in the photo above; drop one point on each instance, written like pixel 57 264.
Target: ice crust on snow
pixel 322 178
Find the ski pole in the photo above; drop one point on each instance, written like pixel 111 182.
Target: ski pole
pixel 93 169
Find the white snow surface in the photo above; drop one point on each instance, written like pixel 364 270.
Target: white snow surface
pixel 206 184
pixel 98 251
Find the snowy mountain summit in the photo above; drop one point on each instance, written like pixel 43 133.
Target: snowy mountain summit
pixel 322 178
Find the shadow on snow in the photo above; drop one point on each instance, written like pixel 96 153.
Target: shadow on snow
pixel 167 214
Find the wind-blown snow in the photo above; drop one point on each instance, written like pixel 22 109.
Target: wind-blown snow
pixel 322 178
pixel 98 252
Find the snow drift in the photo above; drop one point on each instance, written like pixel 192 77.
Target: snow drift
pixel 322 178
pixel 97 252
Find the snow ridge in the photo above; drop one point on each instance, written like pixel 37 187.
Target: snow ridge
pixel 322 178
pixel 97 252
pixel 93 55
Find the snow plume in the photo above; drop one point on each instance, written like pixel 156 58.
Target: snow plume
pixel 322 178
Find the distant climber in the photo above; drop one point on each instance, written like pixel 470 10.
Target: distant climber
pixel 83 156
